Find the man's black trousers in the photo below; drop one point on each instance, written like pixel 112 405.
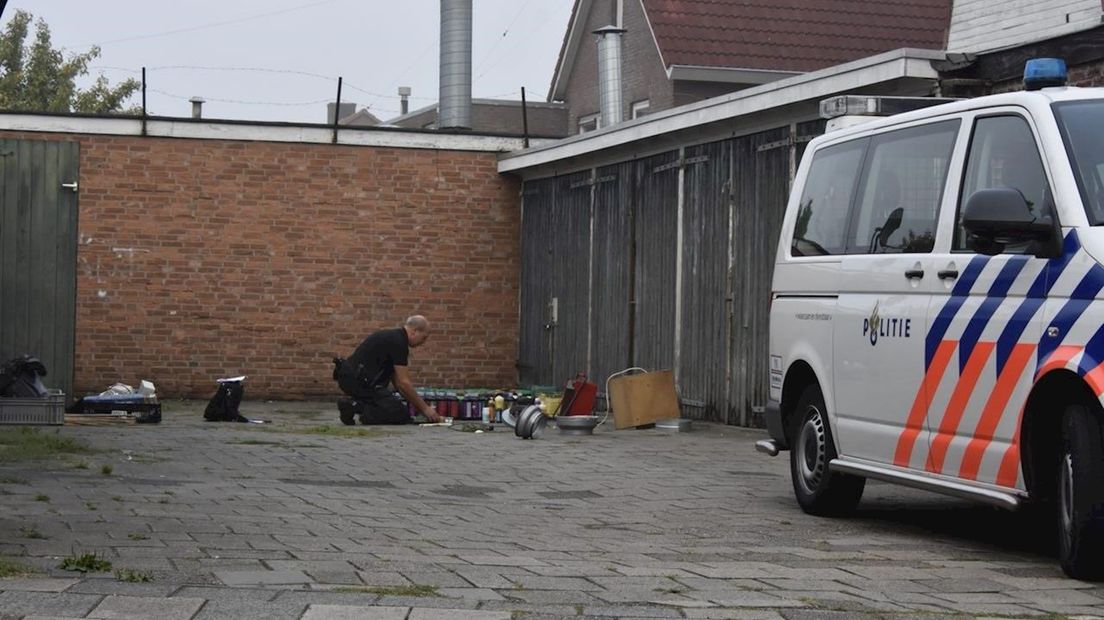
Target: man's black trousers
pixel 374 405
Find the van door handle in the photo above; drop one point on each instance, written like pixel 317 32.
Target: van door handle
pixel 948 274
pixel 914 274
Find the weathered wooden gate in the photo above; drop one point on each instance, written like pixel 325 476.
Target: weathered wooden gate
pixel 38 254
pixel 679 254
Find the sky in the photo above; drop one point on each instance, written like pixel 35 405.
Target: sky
pixel 279 60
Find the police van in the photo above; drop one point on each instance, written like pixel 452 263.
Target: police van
pixel 937 311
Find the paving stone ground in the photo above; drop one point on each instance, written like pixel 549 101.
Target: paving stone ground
pixel 282 521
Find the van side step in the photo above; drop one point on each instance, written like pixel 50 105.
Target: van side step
pixel 993 497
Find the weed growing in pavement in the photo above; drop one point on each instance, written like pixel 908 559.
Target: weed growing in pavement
pixel 11 568
pixel 80 465
pixel 31 531
pixel 342 431
pixel 90 506
pixel 13 480
pixel 28 443
pixel 411 590
pixel 132 576
pixel 257 442
pixel 116 498
pixel 106 470
pixel 42 497
pixel 85 563
pixel 137 536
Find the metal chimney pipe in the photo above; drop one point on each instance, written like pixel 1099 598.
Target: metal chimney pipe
pixel 454 108
pixel 609 74
pixel 197 106
pixel 404 99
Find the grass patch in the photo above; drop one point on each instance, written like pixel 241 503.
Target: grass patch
pixel 328 430
pixel 414 590
pixel 85 563
pixel 106 470
pixel 132 576
pixel 31 532
pixel 27 443
pixel 42 497
pixel 137 536
pixel 13 480
pixel 11 568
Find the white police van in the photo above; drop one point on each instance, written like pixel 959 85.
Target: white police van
pixel 937 314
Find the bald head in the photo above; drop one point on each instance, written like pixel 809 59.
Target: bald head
pixel 417 330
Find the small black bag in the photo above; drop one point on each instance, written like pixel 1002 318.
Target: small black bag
pixel 223 406
pixel 22 378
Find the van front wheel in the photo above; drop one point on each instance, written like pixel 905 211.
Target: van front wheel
pixel 818 490
pixel 1080 494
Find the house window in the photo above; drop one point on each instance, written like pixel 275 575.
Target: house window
pixel 640 108
pixel 588 123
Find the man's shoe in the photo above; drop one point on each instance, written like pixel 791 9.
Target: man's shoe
pixel 347 409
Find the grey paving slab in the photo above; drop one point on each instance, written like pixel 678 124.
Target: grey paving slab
pixel 116 607
pixel 422 613
pixel 37 584
pixel 348 612
pixel 632 524
pixel 48 603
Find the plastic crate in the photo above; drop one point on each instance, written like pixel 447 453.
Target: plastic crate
pixel 49 410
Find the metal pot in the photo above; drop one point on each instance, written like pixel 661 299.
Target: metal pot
pixel 530 423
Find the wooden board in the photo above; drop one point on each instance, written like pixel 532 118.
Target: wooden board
pixel 642 399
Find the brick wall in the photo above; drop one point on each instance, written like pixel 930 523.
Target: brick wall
pixel 206 258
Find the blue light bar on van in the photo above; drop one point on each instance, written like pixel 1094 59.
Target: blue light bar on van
pixel 1044 72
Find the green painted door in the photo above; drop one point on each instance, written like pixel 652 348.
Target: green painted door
pixel 38 254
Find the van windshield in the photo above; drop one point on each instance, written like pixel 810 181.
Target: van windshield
pixel 1082 127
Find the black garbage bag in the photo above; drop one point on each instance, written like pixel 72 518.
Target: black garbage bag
pixel 223 406
pixel 22 378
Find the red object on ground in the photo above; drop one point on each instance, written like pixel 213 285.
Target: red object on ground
pixel 579 396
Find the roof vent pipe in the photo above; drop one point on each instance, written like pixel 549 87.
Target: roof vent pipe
pixel 456 65
pixel 197 106
pixel 609 74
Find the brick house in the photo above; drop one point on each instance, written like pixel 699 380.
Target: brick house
pixel 677 52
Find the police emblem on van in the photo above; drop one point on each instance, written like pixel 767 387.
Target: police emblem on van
pixel 877 327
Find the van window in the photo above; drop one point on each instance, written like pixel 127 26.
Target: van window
pixel 901 189
pixel 1081 123
pixel 1003 153
pixel 821 225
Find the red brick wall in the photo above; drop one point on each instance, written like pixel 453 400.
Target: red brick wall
pixel 203 258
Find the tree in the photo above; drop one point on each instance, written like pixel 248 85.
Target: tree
pixel 39 78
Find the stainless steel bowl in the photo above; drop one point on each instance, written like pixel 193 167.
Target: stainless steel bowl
pixel 577 424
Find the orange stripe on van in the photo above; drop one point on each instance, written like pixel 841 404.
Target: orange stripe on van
pixel 948 426
pixel 994 409
pixel 1095 379
pixel 1009 471
pixel 1058 359
pixel 919 411
pixel 1010 465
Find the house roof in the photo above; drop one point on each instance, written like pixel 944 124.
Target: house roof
pixel 774 35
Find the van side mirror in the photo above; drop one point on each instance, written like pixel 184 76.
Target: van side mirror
pixel 997 217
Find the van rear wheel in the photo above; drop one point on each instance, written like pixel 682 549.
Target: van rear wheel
pixel 1080 494
pixel 818 490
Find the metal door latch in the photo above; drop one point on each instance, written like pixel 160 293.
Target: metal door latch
pixel 73 186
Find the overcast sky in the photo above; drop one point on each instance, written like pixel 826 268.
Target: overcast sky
pixel 278 60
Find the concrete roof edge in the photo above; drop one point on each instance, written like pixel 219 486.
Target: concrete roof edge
pixel 899 63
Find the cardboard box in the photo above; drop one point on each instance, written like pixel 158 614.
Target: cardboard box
pixel 642 399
